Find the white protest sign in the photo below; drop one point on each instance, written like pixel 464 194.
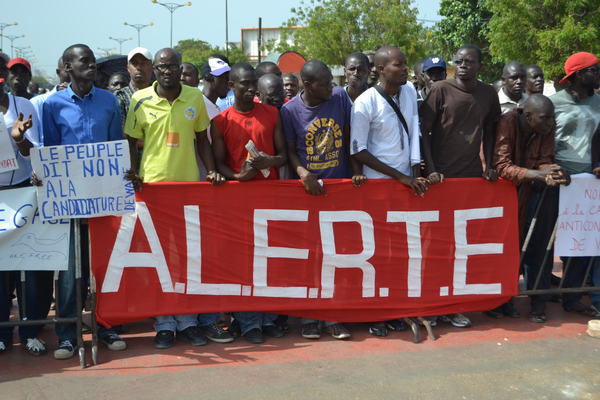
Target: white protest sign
pixel 84 180
pixel 8 159
pixel 26 241
pixel 578 229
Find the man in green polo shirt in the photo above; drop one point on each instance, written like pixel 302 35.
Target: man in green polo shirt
pixel 168 116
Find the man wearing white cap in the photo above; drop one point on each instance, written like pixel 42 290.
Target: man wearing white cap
pixel 215 74
pixel 139 66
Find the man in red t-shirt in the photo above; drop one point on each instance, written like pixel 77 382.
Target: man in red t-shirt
pixel 231 131
pixel 246 120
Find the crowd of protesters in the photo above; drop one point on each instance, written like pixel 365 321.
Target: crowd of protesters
pixel 380 125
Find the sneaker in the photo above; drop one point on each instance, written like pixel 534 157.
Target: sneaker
pixel 272 331
pixel 65 350
pixel 193 335
pixel 396 325
pixel 338 331
pixel 2 346
pixel 582 309
pixel 164 339
pixel 217 334
pixel 311 330
pixel 35 347
pixel 495 313
pixel 113 341
pixel 510 311
pixel 254 336
pixel 457 320
pixel 380 330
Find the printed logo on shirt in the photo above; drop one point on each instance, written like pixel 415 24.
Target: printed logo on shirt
pixel 190 113
pixel 323 141
pixel 172 139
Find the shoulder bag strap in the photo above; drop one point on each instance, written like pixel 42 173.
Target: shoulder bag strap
pixel 396 109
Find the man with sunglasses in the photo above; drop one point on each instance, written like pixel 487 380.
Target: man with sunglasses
pixel 172 120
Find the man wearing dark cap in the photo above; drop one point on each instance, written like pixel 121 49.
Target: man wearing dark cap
pixel 19 76
pixel 577 143
pixel 433 70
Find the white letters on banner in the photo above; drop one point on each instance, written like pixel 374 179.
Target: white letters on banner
pixel 578 229
pixel 122 257
pixel 85 180
pixel 8 159
pixel 27 242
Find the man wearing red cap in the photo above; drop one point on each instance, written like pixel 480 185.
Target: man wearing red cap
pixel 577 151
pixel 19 76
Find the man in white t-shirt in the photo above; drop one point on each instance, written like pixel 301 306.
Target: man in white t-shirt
pixel 385 143
pixel 387 147
pixel 215 74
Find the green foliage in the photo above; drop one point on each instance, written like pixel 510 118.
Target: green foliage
pixel 42 80
pixel 198 51
pixel 466 22
pixel 544 32
pixel 332 29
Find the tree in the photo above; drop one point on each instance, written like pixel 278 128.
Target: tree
pixel 543 32
pixel 197 51
pixel 466 22
pixel 332 29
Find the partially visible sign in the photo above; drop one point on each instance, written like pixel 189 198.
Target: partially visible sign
pixel 578 230
pixel 8 159
pixel 26 241
pixel 82 181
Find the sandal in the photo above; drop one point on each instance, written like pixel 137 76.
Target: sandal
pixel 537 317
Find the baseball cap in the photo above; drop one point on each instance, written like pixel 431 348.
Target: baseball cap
pixel 215 67
pixel 577 62
pixel 139 50
pixel 19 60
pixel 433 62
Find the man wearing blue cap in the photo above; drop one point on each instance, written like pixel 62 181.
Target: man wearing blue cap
pixel 434 69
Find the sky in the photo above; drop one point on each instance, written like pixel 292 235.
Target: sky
pixel 50 26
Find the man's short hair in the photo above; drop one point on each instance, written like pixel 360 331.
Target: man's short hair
pixel 238 68
pixel 290 75
pixel 167 50
pixel 312 70
pixel 357 56
pixel 261 68
pixel 191 65
pixel 472 47
pixel 68 54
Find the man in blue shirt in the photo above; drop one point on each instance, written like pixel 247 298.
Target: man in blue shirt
pixel 79 114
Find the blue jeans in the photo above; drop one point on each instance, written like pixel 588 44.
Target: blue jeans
pixel 66 298
pixel 304 321
pixel 252 320
pixel 37 296
pixel 207 319
pixel 175 322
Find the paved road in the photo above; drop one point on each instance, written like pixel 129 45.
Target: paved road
pixel 507 359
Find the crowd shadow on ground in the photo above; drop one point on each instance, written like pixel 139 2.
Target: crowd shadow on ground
pixel 141 356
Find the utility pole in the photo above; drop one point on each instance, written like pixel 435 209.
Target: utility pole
pixel 2 26
pixel 172 7
pixel 120 41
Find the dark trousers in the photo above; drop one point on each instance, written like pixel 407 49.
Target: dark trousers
pixel 36 300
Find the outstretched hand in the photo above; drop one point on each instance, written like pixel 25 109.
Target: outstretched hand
pixel 20 127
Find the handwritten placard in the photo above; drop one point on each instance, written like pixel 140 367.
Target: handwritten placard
pixel 8 159
pixel 578 229
pixel 83 181
pixel 27 242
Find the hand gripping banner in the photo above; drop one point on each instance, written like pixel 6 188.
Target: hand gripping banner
pixel 370 253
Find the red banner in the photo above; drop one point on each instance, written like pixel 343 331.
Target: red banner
pixel 356 254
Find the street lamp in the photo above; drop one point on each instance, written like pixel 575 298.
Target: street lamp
pixel 106 50
pixel 172 7
pixel 21 50
pixel 12 38
pixel 138 28
pixel 2 26
pixel 120 41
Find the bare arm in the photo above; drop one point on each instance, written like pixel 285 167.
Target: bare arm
pixel 267 161
pixel 206 155
pixel 309 180
pixel 220 154
pixel 419 185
